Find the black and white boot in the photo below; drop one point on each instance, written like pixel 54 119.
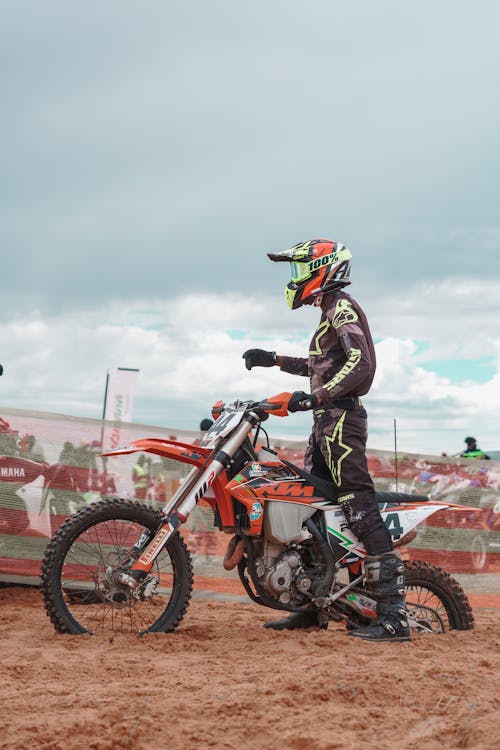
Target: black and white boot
pixel 385 576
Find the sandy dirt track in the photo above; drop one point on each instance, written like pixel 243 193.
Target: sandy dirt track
pixel 222 681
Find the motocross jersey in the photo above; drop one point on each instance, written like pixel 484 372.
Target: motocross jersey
pixel 341 360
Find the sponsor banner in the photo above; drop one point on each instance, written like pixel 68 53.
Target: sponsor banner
pixel 118 403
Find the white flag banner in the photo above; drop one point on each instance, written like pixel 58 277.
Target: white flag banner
pixel 118 403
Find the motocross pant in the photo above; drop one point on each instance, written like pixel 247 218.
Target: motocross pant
pixel 336 451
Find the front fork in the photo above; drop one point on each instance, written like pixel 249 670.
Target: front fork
pixel 181 505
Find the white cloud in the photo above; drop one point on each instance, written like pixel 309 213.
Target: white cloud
pixel 189 351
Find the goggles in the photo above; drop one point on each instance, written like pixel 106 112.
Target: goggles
pixel 299 272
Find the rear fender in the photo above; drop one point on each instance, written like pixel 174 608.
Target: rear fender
pixel 400 520
pixel 424 509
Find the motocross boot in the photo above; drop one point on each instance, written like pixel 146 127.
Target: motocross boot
pixel 299 620
pixel 385 577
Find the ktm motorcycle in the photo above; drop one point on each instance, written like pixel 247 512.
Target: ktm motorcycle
pixel 121 565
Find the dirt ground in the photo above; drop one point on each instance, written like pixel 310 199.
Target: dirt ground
pixel 222 681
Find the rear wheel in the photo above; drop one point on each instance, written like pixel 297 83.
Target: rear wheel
pixel 479 552
pixel 435 602
pixel 79 580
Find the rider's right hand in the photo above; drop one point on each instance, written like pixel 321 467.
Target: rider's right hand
pixel 259 358
pixel 301 401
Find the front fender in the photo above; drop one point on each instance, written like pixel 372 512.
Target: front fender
pixel 188 454
pixel 184 452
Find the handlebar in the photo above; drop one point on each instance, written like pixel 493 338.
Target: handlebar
pixel 276 405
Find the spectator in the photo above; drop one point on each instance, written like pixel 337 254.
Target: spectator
pixel 30 450
pixel 8 439
pixel 68 455
pixel 202 538
pixel 140 476
pixel 472 450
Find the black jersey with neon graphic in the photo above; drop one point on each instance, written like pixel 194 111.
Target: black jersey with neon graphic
pixel 341 358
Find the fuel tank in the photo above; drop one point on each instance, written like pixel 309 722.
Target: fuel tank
pixel 278 502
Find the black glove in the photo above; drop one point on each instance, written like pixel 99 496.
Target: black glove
pixel 301 401
pixel 259 358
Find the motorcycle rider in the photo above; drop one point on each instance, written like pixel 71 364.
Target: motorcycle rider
pixel 340 367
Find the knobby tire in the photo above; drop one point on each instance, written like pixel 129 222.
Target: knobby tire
pixel 439 584
pixel 77 543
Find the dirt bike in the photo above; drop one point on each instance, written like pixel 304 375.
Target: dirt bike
pixel 121 565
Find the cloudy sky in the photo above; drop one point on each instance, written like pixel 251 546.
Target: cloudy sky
pixel 152 152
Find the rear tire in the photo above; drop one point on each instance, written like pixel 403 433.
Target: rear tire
pixel 77 583
pixel 479 552
pixel 435 602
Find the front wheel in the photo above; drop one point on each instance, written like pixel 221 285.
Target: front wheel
pixel 435 602
pixel 79 583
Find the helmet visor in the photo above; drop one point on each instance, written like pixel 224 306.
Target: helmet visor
pixel 300 272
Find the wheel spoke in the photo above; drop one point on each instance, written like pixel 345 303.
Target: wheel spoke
pixel 108 544
pixel 435 602
pixel 81 573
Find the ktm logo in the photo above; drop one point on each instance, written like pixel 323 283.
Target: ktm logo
pixel 290 489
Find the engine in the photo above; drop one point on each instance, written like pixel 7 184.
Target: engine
pixel 284 574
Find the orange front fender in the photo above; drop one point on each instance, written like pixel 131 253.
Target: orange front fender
pixel 184 452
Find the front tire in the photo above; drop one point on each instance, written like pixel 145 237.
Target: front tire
pixel 78 586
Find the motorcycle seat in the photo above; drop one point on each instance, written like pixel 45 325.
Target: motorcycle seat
pixel 329 490
pixel 398 498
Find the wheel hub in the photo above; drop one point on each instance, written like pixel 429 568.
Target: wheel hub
pixel 110 581
pixel 424 619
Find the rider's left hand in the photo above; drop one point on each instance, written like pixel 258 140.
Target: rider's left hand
pixel 259 358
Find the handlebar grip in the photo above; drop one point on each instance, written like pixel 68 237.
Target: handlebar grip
pixel 277 405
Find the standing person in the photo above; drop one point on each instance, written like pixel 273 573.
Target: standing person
pixel 202 538
pixel 206 424
pixel 472 450
pixel 340 367
pixel 140 477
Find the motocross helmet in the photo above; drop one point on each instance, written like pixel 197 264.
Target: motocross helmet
pixel 318 266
